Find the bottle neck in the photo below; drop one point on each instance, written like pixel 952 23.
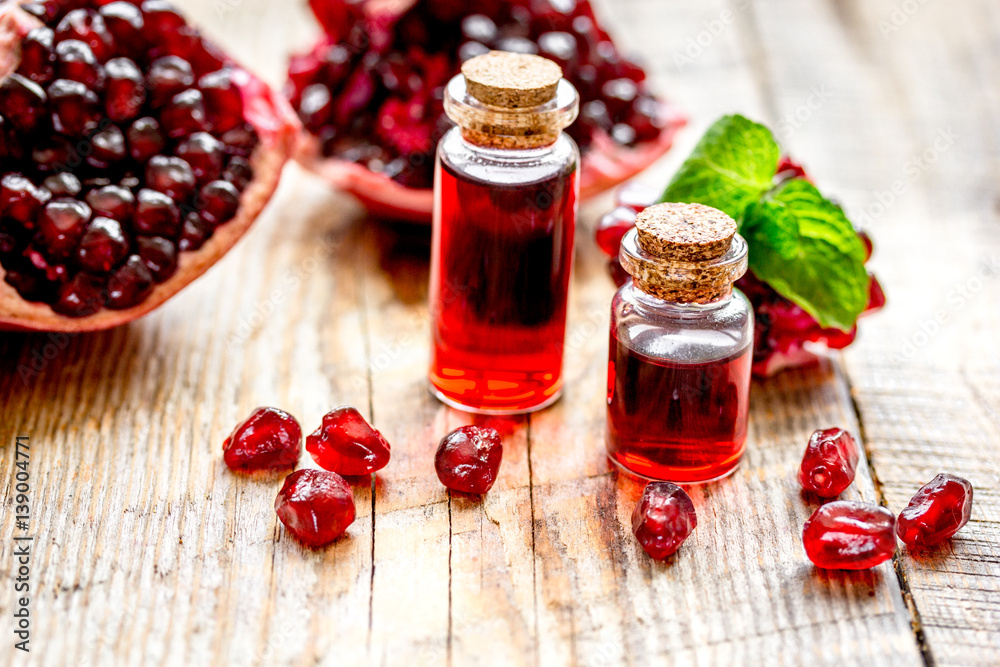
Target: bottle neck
pixel 652 301
pixel 507 154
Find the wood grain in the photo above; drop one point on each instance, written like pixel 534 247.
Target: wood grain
pixel 149 551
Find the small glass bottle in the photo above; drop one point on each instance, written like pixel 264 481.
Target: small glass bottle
pixel 681 347
pixel 505 204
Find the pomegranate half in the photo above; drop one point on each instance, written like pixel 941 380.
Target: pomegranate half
pixel 133 155
pixel 369 92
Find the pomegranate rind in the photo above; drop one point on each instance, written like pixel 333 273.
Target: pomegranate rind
pixel 605 165
pixel 278 127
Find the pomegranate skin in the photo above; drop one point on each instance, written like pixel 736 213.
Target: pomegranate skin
pixel 269 439
pixel 829 463
pixel 346 444
pixel 468 459
pixel 849 535
pixel 936 512
pixel 316 506
pixel 662 519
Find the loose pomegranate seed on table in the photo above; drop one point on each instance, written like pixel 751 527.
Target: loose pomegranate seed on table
pixel 269 439
pixel 347 444
pixel 829 462
pixel 316 506
pixel 936 512
pixel 663 518
pixel 849 535
pixel 468 459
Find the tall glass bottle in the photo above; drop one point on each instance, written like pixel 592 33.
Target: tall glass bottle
pixel 506 190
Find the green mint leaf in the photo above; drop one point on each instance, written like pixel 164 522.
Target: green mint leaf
pixel 803 246
pixel 731 167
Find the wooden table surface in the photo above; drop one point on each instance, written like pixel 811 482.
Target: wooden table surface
pixel 149 551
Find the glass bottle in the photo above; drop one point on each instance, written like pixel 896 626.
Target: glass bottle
pixel 681 347
pixel 506 189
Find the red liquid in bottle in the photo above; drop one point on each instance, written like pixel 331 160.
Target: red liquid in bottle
pixel 674 421
pixel 499 282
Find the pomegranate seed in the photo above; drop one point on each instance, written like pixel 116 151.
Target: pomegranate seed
pixel 269 439
pixel 145 139
pixel 125 91
pixel 112 201
pixel 194 232
pixel 46 12
pixel 160 18
pixel 238 172
pixel 316 107
pixel 849 535
pixel 468 459
pixel 124 23
pixel 61 225
pixel 315 506
pixel 867 242
pixel 204 153
pixel 102 247
pixel 223 99
pixel 37 56
pixel 936 512
pixel 86 26
pixel 130 285
pixel 220 201
pixel 83 295
pixel 240 141
pixel 612 227
pixel 160 256
pixel 663 518
pixel 107 147
pixel 63 184
pixel 167 77
pixel 75 108
pixel 20 198
pixel 829 462
pixel 345 443
pixel 171 176
pixel 156 214
pixel 876 297
pixel 184 114
pixel 22 102
pixel 76 62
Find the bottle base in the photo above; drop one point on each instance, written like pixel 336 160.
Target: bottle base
pixel 682 478
pixel 497 409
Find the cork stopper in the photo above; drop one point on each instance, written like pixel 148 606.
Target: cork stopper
pixel 685 253
pixel 511 80
pixel 685 232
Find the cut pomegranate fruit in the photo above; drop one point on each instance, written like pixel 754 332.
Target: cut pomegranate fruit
pixel 829 462
pixel 468 459
pixel 269 439
pixel 849 535
pixel 316 506
pixel 370 92
pixel 663 518
pixel 345 443
pixel 936 512
pixel 118 123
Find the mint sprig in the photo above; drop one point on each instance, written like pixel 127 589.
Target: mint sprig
pixel 800 243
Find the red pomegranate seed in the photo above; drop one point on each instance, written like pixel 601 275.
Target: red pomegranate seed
pixel 102 247
pixel 22 102
pixel 145 139
pixel 219 202
pixel 204 153
pixel 83 295
pixel 829 463
pixel 76 62
pixel 468 459
pixel 63 185
pixel 238 172
pixel 663 518
pixel 160 256
pixel 125 91
pixel 849 535
pixel 167 77
pixel 37 56
pixel 223 99
pixel 124 22
pixel 194 232
pixel 76 111
pixel 184 114
pixel 107 147
pixel 156 214
pixel 345 443
pixel 866 240
pixel 269 439
pixel 936 512
pixel 316 107
pixel 171 176
pixel 112 201
pixel 88 27
pixel 612 227
pixel 316 506
pixel 61 225
pixel 130 284
pixel 876 297
pixel 21 199
pixel 160 18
